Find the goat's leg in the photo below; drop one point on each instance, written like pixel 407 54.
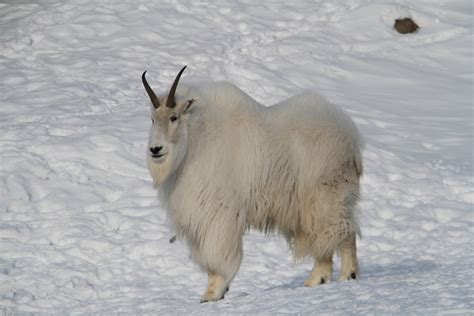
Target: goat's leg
pixel 321 272
pixel 349 265
pixel 216 288
pixel 222 270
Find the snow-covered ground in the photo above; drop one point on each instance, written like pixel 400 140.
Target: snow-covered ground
pixel 81 229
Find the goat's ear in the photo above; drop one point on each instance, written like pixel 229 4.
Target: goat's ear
pixel 188 105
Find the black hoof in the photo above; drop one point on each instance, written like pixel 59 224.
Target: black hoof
pixel 353 276
pixel 172 239
pixel 322 281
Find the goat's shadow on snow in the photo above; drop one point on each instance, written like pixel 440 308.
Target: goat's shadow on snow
pixel 398 269
pixel 370 271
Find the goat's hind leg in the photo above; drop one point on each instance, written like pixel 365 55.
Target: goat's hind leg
pixel 321 273
pixel 349 264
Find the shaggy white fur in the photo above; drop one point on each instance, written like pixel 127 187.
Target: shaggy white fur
pixel 232 163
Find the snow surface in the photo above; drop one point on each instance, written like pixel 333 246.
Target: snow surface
pixel 81 230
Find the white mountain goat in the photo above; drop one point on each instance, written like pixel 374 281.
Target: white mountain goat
pixel 224 163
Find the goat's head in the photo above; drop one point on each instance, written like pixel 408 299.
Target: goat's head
pixel 168 140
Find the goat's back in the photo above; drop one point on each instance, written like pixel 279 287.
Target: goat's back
pixel 322 137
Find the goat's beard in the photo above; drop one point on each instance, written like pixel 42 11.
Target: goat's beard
pixel 160 171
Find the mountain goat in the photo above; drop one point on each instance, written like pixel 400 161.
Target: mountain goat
pixel 223 163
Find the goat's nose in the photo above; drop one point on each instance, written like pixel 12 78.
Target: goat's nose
pixel 155 150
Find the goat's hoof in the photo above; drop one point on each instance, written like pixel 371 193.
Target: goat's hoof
pixel 210 296
pixel 205 300
pixel 313 281
pixel 348 276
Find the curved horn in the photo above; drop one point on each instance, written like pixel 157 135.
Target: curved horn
pixel 170 102
pixel 151 94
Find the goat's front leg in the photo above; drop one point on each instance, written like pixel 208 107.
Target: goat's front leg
pixel 220 254
pixel 216 288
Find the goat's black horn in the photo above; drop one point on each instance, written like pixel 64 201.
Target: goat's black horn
pixel 170 102
pixel 151 94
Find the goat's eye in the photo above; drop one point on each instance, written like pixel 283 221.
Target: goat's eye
pixel 173 118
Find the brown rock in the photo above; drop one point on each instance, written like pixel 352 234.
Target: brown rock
pixel 405 26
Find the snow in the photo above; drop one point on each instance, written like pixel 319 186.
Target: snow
pixel 81 229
